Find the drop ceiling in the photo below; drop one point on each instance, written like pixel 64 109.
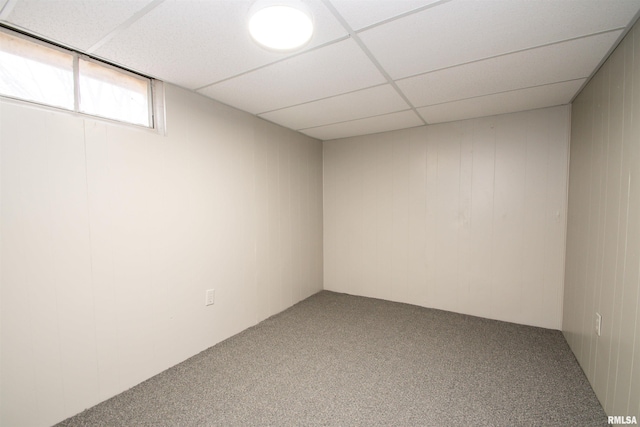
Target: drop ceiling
pixel 372 65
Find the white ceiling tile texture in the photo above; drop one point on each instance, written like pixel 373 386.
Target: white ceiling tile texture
pixel 461 31
pixel 197 43
pixel 377 124
pixel 371 66
pixel 74 23
pixel 321 73
pixel 368 102
pixel 575 59
pixel 364 13
pixel 501 103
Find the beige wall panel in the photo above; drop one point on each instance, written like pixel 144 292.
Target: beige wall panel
pixel 366 229
pixel 478 299
pixel 25 213
pixel 102 258
pixel 465 278
pixel 400 220
pixel 333 269
pixel 438 216
pixel 431 218
pixel 417 246
pixel 556 211
pixel 622 344
pixel 384 221
pixel 274 279
pixel 616 209
pixel 628 376
pixel 335 196
pixel 508 216
pixel 577 246
pixel 261 215
pixel 534 231
pixel 111 234
pixel 603 237
pixel 447 207
pixel 358 246
pixel 607 235
pixel 284 222
pixel 596 213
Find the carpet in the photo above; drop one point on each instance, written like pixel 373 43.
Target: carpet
pixel 341 360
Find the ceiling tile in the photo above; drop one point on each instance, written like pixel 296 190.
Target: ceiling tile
pixel 550 64
pixel 453 58
pixel 75 23
pixel 307 77
pixel 501 103
pixel 196 43
pixel 354 105
pixel 387 122
pixel 363 13
pixel 458 32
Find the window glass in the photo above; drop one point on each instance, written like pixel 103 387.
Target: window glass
pixel 34 72
pixel 114 94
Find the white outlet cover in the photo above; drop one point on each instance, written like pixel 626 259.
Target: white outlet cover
pixel 210 297
pixel 598 323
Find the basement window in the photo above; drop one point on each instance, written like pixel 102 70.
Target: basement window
pixel 35 71
pixel 114 94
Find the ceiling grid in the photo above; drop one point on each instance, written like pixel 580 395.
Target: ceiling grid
pixel 372 58
pixel 371 66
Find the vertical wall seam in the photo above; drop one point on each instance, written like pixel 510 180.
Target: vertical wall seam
pixel 616 280
pixel 633 111
pixel 566 219
pixel 91 266
pixel 493 218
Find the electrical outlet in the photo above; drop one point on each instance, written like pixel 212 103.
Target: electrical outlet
pixel 210 297
pixel 598 323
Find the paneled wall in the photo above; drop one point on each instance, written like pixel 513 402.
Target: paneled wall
pixel 110 236
pixel 466 216
pixel 603 231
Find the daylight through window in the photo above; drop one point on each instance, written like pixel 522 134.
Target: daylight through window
pixel 32 71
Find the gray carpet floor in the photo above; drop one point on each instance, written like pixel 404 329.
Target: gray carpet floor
pixel 340 360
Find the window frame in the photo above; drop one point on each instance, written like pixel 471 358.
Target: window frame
pixel 92 60
pixel 155 88
pixel 36 41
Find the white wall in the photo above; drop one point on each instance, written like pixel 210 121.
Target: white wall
pixel 110 236
pixel 466 216
pixel 603 234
